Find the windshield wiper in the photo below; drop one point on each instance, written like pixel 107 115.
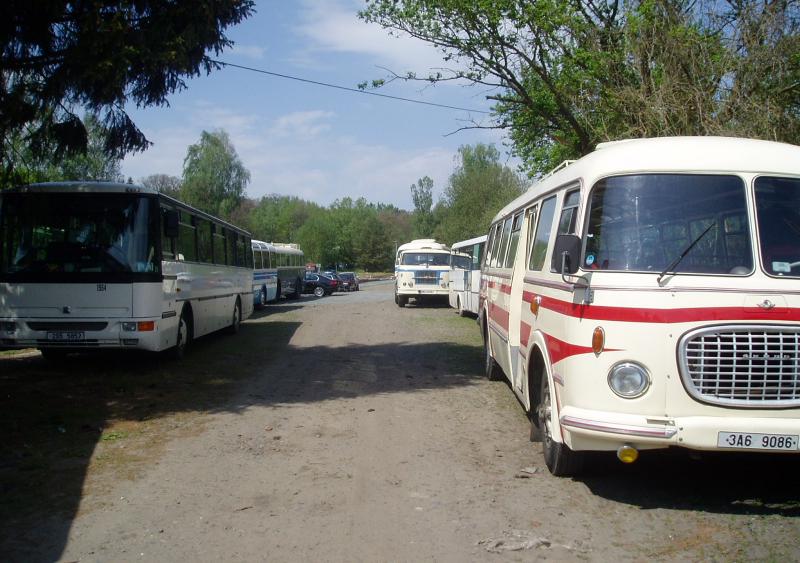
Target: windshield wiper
pixel 672 265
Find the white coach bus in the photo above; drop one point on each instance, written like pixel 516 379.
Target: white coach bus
pixel 101 265
pixel 648 296
pixel 421 271
pixel 465 274
pixel 278 269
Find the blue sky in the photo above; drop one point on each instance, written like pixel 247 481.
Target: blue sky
pixel 309 141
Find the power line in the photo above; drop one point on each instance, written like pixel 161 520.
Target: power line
pixel 345 88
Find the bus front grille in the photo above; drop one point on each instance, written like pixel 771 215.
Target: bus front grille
pixel 67 326
pixel 745 366
pixel 426 277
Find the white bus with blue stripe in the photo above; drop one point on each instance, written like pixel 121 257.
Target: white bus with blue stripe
pixel 278 269
pixel 422 272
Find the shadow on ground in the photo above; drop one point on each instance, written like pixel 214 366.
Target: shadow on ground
pixel 728 483
pixel 55 416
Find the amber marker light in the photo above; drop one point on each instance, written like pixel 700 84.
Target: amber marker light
pixel 598 340
pixel 146 326
pixel 535 302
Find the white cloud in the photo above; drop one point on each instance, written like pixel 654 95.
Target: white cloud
pixel 254 52
pixel 298 154
pixel 333 26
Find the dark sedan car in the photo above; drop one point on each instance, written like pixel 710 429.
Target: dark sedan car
pixel 349 281
pixel 319 284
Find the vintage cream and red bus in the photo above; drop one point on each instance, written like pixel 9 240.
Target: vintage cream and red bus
pixel 648 296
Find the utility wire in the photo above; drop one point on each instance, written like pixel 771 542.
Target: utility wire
pixel 345 88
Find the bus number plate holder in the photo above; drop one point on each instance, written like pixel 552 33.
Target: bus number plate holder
pixel 64 336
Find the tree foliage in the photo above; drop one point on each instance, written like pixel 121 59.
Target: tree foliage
pixel 214 178
pixel 478 188
pixel 100 55
pixel 164 183
pixel 566 74
pixel 422 196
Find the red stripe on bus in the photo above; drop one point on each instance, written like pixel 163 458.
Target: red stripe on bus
pixel 504 287
pixel 662 316
pixel 560 350
pixel 499 315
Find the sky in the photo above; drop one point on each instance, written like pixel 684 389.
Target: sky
pixel 318 143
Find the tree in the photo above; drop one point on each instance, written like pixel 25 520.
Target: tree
pixel 214 179
pixel 422 196
pixel 476 191
pixel 95 164
pixel 100 55
pixel 569 73
pixel 163 183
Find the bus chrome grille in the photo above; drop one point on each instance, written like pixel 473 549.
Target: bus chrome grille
pixel 745 366
pixel 426 277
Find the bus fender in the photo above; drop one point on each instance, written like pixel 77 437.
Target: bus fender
pixel 538 352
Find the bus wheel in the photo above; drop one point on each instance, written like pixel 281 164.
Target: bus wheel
pixel 461 311
pixel 178 351
pixel 560 460
pixel 263 296
pixel 236 321
pixel 402 300
pixel 492 370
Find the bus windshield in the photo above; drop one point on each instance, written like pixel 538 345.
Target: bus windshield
pixel 778 212
pixel 70 233
pixel 645 222
pixel 423 258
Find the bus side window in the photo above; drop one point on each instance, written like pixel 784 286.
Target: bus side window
pixel 516 225
pixel 187 245
pixel 218 237
pixel 167 243
pixel 533 213
pixel 270 259
pixel 542 234
pixel 569 213
pixel 204 248
pixel 248 252
pixel 503 248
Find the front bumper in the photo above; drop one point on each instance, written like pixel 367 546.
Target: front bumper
pixel 81 335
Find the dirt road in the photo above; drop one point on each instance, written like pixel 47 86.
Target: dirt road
pixel 344 429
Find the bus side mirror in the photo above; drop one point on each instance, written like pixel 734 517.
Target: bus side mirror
pixel 171 224
pixel 566 254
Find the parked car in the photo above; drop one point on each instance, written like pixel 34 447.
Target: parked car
pixel 335 276
pixel 319 284
pixel 349 281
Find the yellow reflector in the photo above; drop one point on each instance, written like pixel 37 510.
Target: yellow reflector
pixel 145 326
pixel 627 454
pixel 535 305
pixel 598 340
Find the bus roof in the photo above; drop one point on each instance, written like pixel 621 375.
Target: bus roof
pixel 423 244
pixel 278 247
pixel 116 188
pixel 705 155
pixel 469 242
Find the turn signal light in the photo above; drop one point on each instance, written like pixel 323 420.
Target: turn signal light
pixel 535 302
pixel 146 326
pixel 598 340
pixel 627 454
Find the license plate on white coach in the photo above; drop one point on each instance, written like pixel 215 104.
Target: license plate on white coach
pixel 750 441
pixel 64 336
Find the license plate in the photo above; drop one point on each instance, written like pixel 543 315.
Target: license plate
pixel 750 441
pixel 62 336
pixel 425 291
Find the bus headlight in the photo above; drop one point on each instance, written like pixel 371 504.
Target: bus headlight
pixel 629 380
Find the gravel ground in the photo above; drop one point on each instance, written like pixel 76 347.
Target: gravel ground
pixel 344 429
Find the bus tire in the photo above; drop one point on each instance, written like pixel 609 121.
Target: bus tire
pixel 178 351
pixel 402 300
pixel 461 311
pixel 263 296
pixel 236 319
pixel 491 369
pixel 559 458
